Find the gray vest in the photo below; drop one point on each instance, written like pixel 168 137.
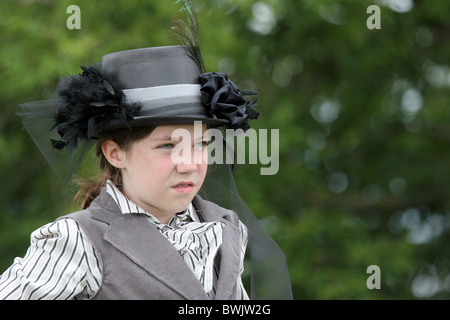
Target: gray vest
pixel 138 262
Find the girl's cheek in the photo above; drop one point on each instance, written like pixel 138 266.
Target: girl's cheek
pixel 163 162
pixel 202 169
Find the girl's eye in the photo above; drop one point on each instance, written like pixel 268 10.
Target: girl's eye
pixel 166 146
pixel 201 144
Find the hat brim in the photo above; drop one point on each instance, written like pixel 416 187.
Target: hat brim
pixel 139 122
pixel 159 121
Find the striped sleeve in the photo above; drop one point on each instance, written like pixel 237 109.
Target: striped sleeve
pixel 60 264
pixel 242 294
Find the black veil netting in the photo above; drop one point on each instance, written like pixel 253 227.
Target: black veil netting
pixel 268 267
pixel 38 118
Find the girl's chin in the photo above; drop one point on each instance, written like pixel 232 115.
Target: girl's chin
pixel 180 205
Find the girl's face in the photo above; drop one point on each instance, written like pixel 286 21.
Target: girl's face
pixel 155 182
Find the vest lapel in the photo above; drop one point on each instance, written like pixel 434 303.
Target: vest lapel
pixel 229 251
pixel 133 235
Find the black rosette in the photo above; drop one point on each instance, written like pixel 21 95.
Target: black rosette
pixel 87 104
pixel 224 100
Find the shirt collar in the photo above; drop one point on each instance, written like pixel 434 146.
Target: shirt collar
pixel 129 207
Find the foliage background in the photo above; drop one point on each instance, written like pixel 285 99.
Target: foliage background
pixel 363 117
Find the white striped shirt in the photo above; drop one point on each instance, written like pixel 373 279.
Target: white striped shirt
pixel 61 262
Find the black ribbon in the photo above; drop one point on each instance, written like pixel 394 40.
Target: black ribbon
pixel 223 99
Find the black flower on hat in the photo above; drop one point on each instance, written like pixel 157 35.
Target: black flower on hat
pixel 224 100
pixel 88 103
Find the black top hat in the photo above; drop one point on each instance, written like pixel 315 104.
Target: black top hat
pixel 164 81
pixel 146 87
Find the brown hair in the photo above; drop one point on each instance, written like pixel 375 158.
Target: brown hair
pixel 90 187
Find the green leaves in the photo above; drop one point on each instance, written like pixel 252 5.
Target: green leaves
pixel 304 58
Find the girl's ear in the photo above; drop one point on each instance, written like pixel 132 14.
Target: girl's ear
pixel 114 154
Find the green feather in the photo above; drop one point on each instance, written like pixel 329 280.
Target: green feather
pixel 187 34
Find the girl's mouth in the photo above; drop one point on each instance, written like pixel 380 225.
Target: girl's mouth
pixel 184 187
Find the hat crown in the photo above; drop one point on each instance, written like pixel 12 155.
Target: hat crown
pixel 151 67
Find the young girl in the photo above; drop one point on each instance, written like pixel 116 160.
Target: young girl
pixel 144 231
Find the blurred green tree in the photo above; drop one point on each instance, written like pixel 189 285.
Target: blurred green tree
pixel 363 118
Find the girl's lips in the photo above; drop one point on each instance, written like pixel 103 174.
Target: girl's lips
pixel 184 187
